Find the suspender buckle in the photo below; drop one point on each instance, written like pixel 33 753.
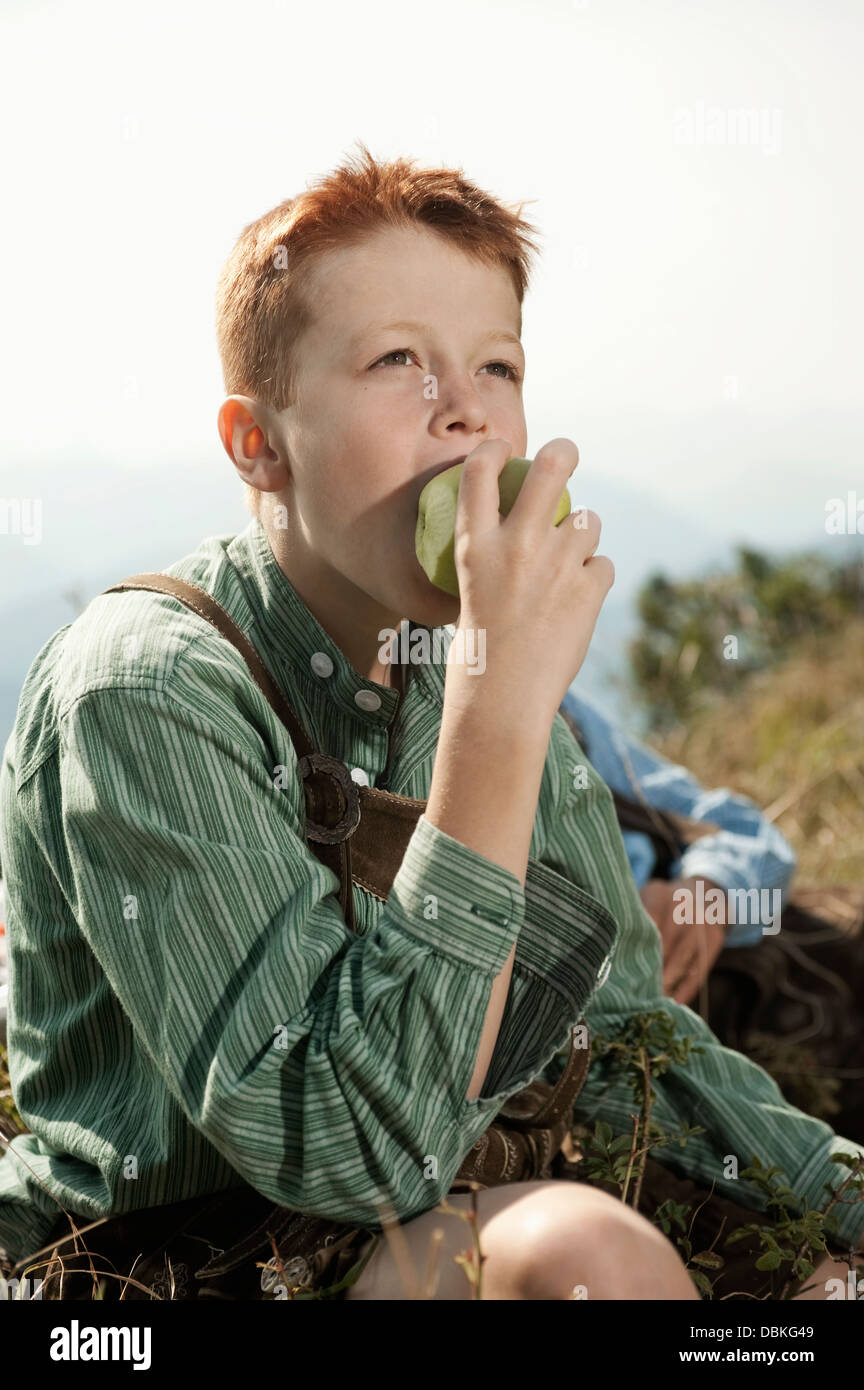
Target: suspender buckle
pixel 332 798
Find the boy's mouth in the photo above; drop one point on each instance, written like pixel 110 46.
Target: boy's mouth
pixel 449 463
pixel 438 468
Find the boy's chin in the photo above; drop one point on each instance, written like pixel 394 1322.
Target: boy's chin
pixel 433 607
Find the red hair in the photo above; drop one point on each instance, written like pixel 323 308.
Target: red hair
pixel 261 310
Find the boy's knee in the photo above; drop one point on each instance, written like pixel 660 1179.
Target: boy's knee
pixel 571 1237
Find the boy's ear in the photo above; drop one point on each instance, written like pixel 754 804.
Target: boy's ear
pixel 243 429
pixel 238 428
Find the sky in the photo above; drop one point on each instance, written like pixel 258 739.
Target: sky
pixel 693 321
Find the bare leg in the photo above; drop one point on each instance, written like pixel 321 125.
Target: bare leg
pixel 541 1240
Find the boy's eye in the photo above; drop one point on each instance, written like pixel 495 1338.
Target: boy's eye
pixel 408 352
pixel 514 375
pixel 397 352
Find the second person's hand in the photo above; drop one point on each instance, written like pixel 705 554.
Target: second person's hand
pixel 690 948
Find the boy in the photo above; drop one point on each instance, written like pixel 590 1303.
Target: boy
pixel 218 1022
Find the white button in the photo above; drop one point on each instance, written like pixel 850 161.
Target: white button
pixel 321 664
pixel 358 775
pixel 367 699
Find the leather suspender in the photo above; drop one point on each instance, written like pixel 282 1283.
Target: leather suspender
pixel 361 833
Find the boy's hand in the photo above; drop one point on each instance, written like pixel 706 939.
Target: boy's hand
pixel 689 948
pixel 534 588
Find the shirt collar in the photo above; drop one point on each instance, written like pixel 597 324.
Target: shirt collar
pixel 288 635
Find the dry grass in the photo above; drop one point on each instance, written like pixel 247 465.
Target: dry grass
pixel 792 739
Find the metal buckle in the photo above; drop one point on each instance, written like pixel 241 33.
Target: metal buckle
pixel 348 822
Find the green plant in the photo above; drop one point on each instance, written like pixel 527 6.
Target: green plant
pixel 645 1047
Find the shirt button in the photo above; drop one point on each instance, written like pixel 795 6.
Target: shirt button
pixel 367 699
pixel 358 775
pixel 321 664
pixel 501 919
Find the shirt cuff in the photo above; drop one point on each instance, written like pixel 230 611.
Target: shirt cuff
pixel 563 955
pixel 695 863
pixel 453 900
pixel 567 936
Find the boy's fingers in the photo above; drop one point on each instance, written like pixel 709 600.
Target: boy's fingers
pixel 544 483
pixel 479 499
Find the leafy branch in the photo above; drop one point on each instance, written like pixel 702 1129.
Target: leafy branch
pixel 646 1047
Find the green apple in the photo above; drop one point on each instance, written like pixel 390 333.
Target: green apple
pixel 436 518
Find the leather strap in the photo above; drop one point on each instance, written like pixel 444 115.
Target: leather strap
pixel 360 833
pixel 206 606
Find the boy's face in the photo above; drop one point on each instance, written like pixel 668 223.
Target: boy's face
pixel 366 434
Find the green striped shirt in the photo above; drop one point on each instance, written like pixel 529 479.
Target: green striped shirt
pixel 187 1006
